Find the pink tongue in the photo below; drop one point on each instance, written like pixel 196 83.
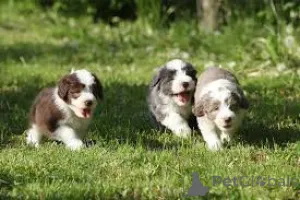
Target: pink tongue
pixel 184 97
pixel 86 113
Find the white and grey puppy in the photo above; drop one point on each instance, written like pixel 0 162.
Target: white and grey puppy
pixel 220 106
pixel 171 95
pixel 63 112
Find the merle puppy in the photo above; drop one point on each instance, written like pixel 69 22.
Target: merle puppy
pixel 220 106
pixel 63 112
pixel 170 97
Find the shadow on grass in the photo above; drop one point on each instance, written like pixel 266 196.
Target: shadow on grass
pixel 14 106
pixel 6 185
pixel 272 118
pixel 31 51
pixel 72 50
pixel 123 116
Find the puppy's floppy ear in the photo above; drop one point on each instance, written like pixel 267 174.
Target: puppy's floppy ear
pixel 198 109
pixel 244 103
pixel 192 71
pixel 64 86
pixel 157 78
pixel 97 88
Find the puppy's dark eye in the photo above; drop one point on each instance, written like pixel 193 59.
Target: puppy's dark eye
pixel 191 72
pixel 75 94
pixel 216 108
pixel 171 74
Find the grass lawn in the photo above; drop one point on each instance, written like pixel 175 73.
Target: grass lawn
pixel 130 160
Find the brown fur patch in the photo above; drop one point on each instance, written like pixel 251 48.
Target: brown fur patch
pixel 68 87
pixel 201 107
pixel 44 113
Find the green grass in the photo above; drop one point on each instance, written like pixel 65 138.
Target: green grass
pixel 130 160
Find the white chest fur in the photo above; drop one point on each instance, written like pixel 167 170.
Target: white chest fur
pixel 79 125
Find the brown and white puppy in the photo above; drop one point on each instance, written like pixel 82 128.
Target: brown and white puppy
pixel 63 113
pixel 220 106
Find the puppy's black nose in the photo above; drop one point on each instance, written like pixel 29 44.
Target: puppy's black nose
pixel 228 120
pixel 185 84
pixel 88 103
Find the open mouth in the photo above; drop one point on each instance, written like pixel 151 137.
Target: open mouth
pixel 183 97
pixel 227 126
pixel 86 112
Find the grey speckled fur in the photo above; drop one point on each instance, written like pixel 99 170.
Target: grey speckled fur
pixel 159 91
pixel 211 74
pixel 220 106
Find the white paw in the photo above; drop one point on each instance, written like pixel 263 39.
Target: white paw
pixel 214 145
pixel 183 132
pixel 32 143
pixel 32 139
pixel 75 144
